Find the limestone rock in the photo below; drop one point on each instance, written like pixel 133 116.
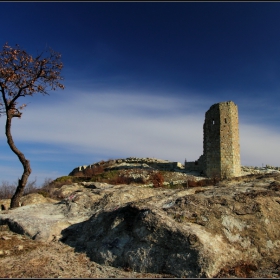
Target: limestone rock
pixel 46 221
pixel 35 198
pixel 4 204
pixel 195 232
pixel 96 185
pixel 133 163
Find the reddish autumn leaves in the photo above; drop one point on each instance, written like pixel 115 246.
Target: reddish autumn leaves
pixel 21 74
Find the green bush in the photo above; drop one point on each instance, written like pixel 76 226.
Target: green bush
pixel 64 179
pixel 44 193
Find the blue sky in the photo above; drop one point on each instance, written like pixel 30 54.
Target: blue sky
pixel 139 77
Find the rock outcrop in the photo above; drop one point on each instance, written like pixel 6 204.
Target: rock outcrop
pixel 131 163
pixel 33 198
pixel 164 165
pixel 259 170
pixel 195 232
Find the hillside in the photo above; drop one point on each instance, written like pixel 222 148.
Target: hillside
pixel 187 226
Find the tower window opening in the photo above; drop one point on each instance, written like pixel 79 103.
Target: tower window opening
pixel 213 122
pixel 225 120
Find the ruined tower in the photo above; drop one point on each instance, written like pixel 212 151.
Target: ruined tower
pixel 221 150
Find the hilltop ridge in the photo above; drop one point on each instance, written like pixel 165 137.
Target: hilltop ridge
pixel 158 164
pixel 131 162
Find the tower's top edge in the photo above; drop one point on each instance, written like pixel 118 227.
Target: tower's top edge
pixel 227 103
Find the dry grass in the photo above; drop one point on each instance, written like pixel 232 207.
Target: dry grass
pixel 26 258
pixel 11 244
pixel 242 270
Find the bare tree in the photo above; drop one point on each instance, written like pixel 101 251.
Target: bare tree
pixel 23 75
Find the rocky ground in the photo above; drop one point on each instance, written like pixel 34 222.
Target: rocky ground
pixel 22 257
pixel 98 230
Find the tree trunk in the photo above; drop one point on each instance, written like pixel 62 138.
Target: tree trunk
pixel 25 163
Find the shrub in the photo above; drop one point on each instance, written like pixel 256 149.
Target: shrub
pixel 48 188
pixel 89 172
pixel 63 179
pixel 79 174
pixel 157 179
pixel 44 193
pixel 192 184
pixel 120 180
pixel 241 270
pixel 203 182
pixel 7 190
pixel 30 187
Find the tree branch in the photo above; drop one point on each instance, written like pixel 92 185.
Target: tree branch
pixel 21 75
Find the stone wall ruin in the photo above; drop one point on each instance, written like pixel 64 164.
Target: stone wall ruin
pixel 221 149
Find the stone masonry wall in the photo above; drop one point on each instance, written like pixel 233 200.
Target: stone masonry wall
pixel 211 141
pixel 221 140
pixel 198 165
pixel 221 150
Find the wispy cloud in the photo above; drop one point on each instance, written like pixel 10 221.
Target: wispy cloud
pixel 126 123
pixel 259 145
pixel 114 124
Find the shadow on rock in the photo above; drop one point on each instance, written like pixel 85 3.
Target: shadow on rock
pixel 137 239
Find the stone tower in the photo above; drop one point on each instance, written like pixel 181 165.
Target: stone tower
pixel 221 150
